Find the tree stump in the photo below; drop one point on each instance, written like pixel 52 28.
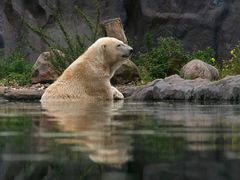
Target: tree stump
pixel 114 28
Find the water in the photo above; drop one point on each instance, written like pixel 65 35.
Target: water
pixel 119 141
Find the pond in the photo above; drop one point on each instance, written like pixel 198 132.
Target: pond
pixel 119 141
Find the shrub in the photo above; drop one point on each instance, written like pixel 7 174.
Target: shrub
pixel 148 42
pixel 232 66
pixel 15 69
pixel 165 59
pixel 206 55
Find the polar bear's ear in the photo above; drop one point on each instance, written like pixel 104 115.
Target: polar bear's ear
pixel 104 46
pixel 102 49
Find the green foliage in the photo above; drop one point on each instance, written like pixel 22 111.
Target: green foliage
pixel 15 70
pixel 148 42
pixel 206 55
pixel 232 66
pixel 74 45
pixel 165 59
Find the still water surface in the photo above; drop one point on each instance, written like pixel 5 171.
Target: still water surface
pixel 119 141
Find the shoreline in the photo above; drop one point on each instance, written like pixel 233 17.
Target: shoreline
pixel 172 88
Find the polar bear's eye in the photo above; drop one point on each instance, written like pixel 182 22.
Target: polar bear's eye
pixel 118 45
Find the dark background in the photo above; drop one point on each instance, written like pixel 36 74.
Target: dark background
pixel 199 24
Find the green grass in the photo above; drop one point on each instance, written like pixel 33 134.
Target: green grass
pixel 15 70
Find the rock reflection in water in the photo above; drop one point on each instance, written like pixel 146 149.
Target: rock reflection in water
pixel 89 127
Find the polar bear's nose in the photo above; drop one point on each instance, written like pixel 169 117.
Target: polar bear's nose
pixel 131 50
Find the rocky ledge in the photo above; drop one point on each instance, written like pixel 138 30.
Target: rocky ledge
pixel 170 88
pixel 31 93
pixel 176 88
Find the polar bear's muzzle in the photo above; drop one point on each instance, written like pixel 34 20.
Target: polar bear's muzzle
pixel 127 52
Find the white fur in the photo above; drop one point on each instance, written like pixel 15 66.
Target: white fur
pixel 89 76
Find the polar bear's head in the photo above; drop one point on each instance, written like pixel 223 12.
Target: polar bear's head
pixel 115 48
pixel 110 52
pixel 112 49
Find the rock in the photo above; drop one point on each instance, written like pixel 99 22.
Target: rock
pixel 176 88
pixel 23 94
pixel 42 71
pixel 211 23
pixel 41 13
pixel 128 91
pixel 127 73
pixel 199 69
pixel 225 89
pixel 170 88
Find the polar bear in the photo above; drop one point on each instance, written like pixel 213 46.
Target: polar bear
pixel 88 77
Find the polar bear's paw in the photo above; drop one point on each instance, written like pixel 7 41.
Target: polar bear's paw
pixel 116 94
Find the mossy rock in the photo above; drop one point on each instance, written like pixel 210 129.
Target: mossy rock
pixel 127 73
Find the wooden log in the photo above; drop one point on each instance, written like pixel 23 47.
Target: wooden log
pixel 114 28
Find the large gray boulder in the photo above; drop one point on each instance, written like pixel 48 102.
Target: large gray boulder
pixel 176 88
pixel 170 88
pixel 225 89
pixel 199 69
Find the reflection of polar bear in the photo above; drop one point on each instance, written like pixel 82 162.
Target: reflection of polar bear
pixel 93 128
pixel 89 76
